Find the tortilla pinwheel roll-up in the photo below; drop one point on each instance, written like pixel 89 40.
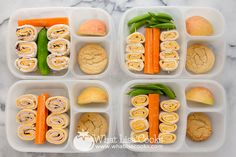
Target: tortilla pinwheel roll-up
pixel 26 64
pixel 138 112
pixel 57 63
pixel 57 135
pixel 26 33
pixel 167 138
pixel 26 49
pixel 27 101
pixel 58 120
pixel 169 64
pixel 134 56
pixel 169 55
pixel 139 125
pixel 140 100
pixel 167 128
pixel 58 31
pixel 26 132
pixel 139 137
pixel 135 37
pixel 59 47
pixel 26 116
pixel 169 35
pixel 170 105
pixel 135 65
pixel 169 117
pixel 57 104
pixel 169 45
pixel 135 48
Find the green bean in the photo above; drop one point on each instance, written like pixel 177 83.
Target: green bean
pixel 138 18
pixel 161 16
pixel 164 26
pixel 166 90
pixel 148 87
pixel 136 26
pixel 42 52
pixel 136 92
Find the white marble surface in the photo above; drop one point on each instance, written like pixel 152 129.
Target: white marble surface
pixel 115 8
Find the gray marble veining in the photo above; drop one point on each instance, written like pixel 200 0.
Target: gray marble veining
pixel 116 8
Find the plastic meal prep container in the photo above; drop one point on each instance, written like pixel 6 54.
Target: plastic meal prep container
pixel 75 19
pixel 217 114
pixel 69 89
pixel 216 42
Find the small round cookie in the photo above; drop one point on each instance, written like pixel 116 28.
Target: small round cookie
pixel 200 59
pixel 199 127
pixel 94 123
pixel 92 59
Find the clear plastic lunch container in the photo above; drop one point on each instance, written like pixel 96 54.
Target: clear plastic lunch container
pixel 216 42
pixel 217 114
pixel 76 16
pixel 69 89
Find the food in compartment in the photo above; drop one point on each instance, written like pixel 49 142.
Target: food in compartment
pixel 138 112
pixel 134 48
pixel 92 27
pixel 26 132
pixel 27 101
pixel 167 128
pixel 139 137
pixel 55 120
pixel 140 100
pixel 200 95
pixel 58 63
pixel 170 105
pixel 26 65
pixel 135 38
pixel 26 116
pixel 135 65
pixel 59 47
pixel 199 26
pixel 57 135
pixel 169 64
pixel 200 59
pixel 38 124
pixel 169 117
pixel 26 49
pixel 57 104
pixel 139 124
pixel 199 127
pixel 165 55
pixel 166 138
pixel 92 94
pixel 134 56
pixel 92 59
pixel 169 35
pixel 58 31
pixel 160 35
pixel 44 22
pixel 93 123
pixel 26 33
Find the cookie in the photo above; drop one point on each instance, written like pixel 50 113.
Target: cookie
pixel 199 127
pixel 200 59
pixel 94 123
pixel 92 59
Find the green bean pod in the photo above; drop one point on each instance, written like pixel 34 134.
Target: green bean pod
pixel 164 26
pixel 161 16
pixel 42 52
pixel 136 26
pixel 166 90
pixel 138 18
pixel 136 92
pixel 148 87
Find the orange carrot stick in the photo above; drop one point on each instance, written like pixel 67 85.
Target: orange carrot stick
pixel 156 50
pixel 44 22
pixel 148 62
pixel 153 117
pixel 41 126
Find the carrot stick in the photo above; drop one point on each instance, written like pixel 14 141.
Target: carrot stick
pixel 148 62
pixel 44 22
pixel 156 50
pixel 153 117
pixel 41 126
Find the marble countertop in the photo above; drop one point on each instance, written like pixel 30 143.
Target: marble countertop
pixel 116 8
